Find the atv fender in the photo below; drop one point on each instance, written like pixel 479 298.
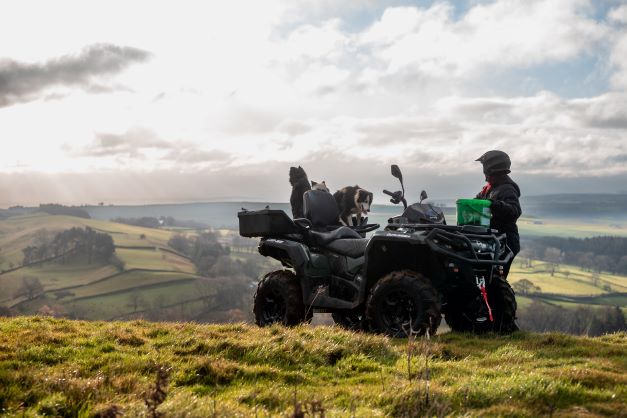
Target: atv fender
pixel 391 251
pixel 291 254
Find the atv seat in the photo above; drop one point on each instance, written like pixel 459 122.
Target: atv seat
pixel 343 240
pixel 321 209
pixel 353 248
pixel 325 238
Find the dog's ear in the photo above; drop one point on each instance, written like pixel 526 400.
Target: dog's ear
pixel 313 183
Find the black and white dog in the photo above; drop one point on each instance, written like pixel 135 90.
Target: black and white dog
pixel 353 201
pixel 300 184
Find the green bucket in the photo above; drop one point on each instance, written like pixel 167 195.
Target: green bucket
pixel 473 212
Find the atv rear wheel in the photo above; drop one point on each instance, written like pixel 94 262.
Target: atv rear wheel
pixel 404 303
pixel 502 301
pixel 279 300
pixel 353 320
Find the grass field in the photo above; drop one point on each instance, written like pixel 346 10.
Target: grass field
pixel 18 232
pixel 534 227
pixel 97 291
pixel 64 368
pixel 568 280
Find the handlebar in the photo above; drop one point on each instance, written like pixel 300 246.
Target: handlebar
pixel 396 197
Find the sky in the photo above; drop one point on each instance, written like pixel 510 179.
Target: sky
pixel 153 101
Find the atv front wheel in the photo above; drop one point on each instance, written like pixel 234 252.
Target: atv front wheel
pixel 503 304
pixel 279 300
pixel 404 303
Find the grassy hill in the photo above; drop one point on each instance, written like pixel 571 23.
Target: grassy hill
pixel 65 368
pixel 95 291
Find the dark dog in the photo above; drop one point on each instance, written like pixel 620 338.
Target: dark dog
pixel 353 201
pixel 300 184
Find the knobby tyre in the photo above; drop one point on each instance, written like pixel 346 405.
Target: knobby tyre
pixel 404 303
pixel 279 300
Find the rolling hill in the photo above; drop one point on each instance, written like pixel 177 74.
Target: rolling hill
pixel 156 272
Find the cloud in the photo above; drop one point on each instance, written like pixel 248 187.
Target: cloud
pixel 193 156
pixel 21 82
pixel 489 38
pixel 130 144
pixel 140 144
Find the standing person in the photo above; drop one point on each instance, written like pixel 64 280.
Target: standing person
pixel 503 192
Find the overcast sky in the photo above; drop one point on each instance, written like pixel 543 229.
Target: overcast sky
pixel 144 102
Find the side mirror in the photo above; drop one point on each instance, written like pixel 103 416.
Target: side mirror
pixel 396 172
pixel 423 196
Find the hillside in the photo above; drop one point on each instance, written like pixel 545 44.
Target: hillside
pixel 67 368
pixel 154 276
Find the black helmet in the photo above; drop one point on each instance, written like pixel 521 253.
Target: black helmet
pixel 495 162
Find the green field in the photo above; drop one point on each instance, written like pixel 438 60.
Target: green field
pixel 96 291
pixel 568 280
pixel 538 227
pixel 65 368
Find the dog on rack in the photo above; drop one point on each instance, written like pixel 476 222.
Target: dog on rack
pixel 300 184
pixel 353 201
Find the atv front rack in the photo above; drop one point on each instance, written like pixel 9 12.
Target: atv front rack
pixel 444 238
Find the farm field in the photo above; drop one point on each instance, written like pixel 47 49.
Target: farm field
pixel 568 280
pixel 536 227
pixel 95 290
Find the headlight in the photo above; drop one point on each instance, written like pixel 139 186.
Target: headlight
pixel 482 246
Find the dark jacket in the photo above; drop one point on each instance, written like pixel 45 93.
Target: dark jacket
pixel 505 208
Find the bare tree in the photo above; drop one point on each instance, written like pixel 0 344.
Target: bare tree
pixel 554 257
pixel 135 300
pixel 31 288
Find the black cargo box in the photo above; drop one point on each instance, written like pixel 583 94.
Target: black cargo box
pixel 265 222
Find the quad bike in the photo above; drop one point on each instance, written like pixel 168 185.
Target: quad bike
pixel 398 282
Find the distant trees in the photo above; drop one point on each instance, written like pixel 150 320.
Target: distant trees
pixel 543 317
pixel 203 249
pixel 117 262
pixel 592 254
pixel 68 244
pixel 554 257
pixel 30 288
pixel 56 209
pixel 525 287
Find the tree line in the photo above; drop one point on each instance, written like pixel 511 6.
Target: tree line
pixel 65 246
pixel 56 209
pixel 211 258
pixel 582 320
pixel 592 254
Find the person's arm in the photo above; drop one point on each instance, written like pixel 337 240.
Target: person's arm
pixel 507 207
